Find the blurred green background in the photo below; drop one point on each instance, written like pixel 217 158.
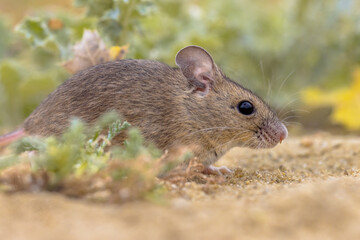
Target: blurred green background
pixel 301 56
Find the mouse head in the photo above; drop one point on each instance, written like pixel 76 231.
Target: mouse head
pixel 224 112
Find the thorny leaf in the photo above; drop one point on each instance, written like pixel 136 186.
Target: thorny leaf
pixel 91 50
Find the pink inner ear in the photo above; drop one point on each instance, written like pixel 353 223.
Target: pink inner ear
pixel 203 75
pixel 204 68
pixel 203 91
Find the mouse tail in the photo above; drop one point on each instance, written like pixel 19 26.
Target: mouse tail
pixel 11 137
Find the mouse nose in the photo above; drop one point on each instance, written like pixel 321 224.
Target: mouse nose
pixel 283 133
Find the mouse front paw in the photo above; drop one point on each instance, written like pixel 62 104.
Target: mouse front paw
pixel 219 171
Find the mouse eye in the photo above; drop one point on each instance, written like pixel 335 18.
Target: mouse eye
pixel 245 108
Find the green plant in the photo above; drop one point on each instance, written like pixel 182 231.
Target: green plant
pixel 75 152
pixel 82 158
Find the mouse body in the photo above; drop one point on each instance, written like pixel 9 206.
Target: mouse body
pixel 193 105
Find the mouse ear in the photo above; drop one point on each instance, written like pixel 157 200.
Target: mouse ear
pixel 198 67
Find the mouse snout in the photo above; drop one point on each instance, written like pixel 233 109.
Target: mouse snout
pixel 277 132
pixel 271 134
pixel 283 132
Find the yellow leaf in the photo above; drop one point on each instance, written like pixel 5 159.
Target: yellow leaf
pixel 345 102
pixel 118 52
pixel 313 97
pixel 316 97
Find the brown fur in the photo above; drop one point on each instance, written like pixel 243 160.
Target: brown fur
pixel 162 103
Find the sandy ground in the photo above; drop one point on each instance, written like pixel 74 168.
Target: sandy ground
pixel 306 188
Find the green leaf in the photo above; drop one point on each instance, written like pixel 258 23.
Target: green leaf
pixel 37 32
pixel 34 30
pixel 29 144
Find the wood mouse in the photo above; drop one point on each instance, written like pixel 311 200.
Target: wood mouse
pixel 194 105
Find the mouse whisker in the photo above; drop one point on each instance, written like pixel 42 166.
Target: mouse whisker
pixel 284 81
pixel 233 139
pixel 289 117
pixel 215 129
pixel 293 123
pixel 280 111
pixel 296 110
pixel 250 143
pixel 292 100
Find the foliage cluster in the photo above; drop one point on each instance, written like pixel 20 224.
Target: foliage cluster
pixel 82 163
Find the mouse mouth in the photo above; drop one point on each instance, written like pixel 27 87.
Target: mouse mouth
pixel 270 134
